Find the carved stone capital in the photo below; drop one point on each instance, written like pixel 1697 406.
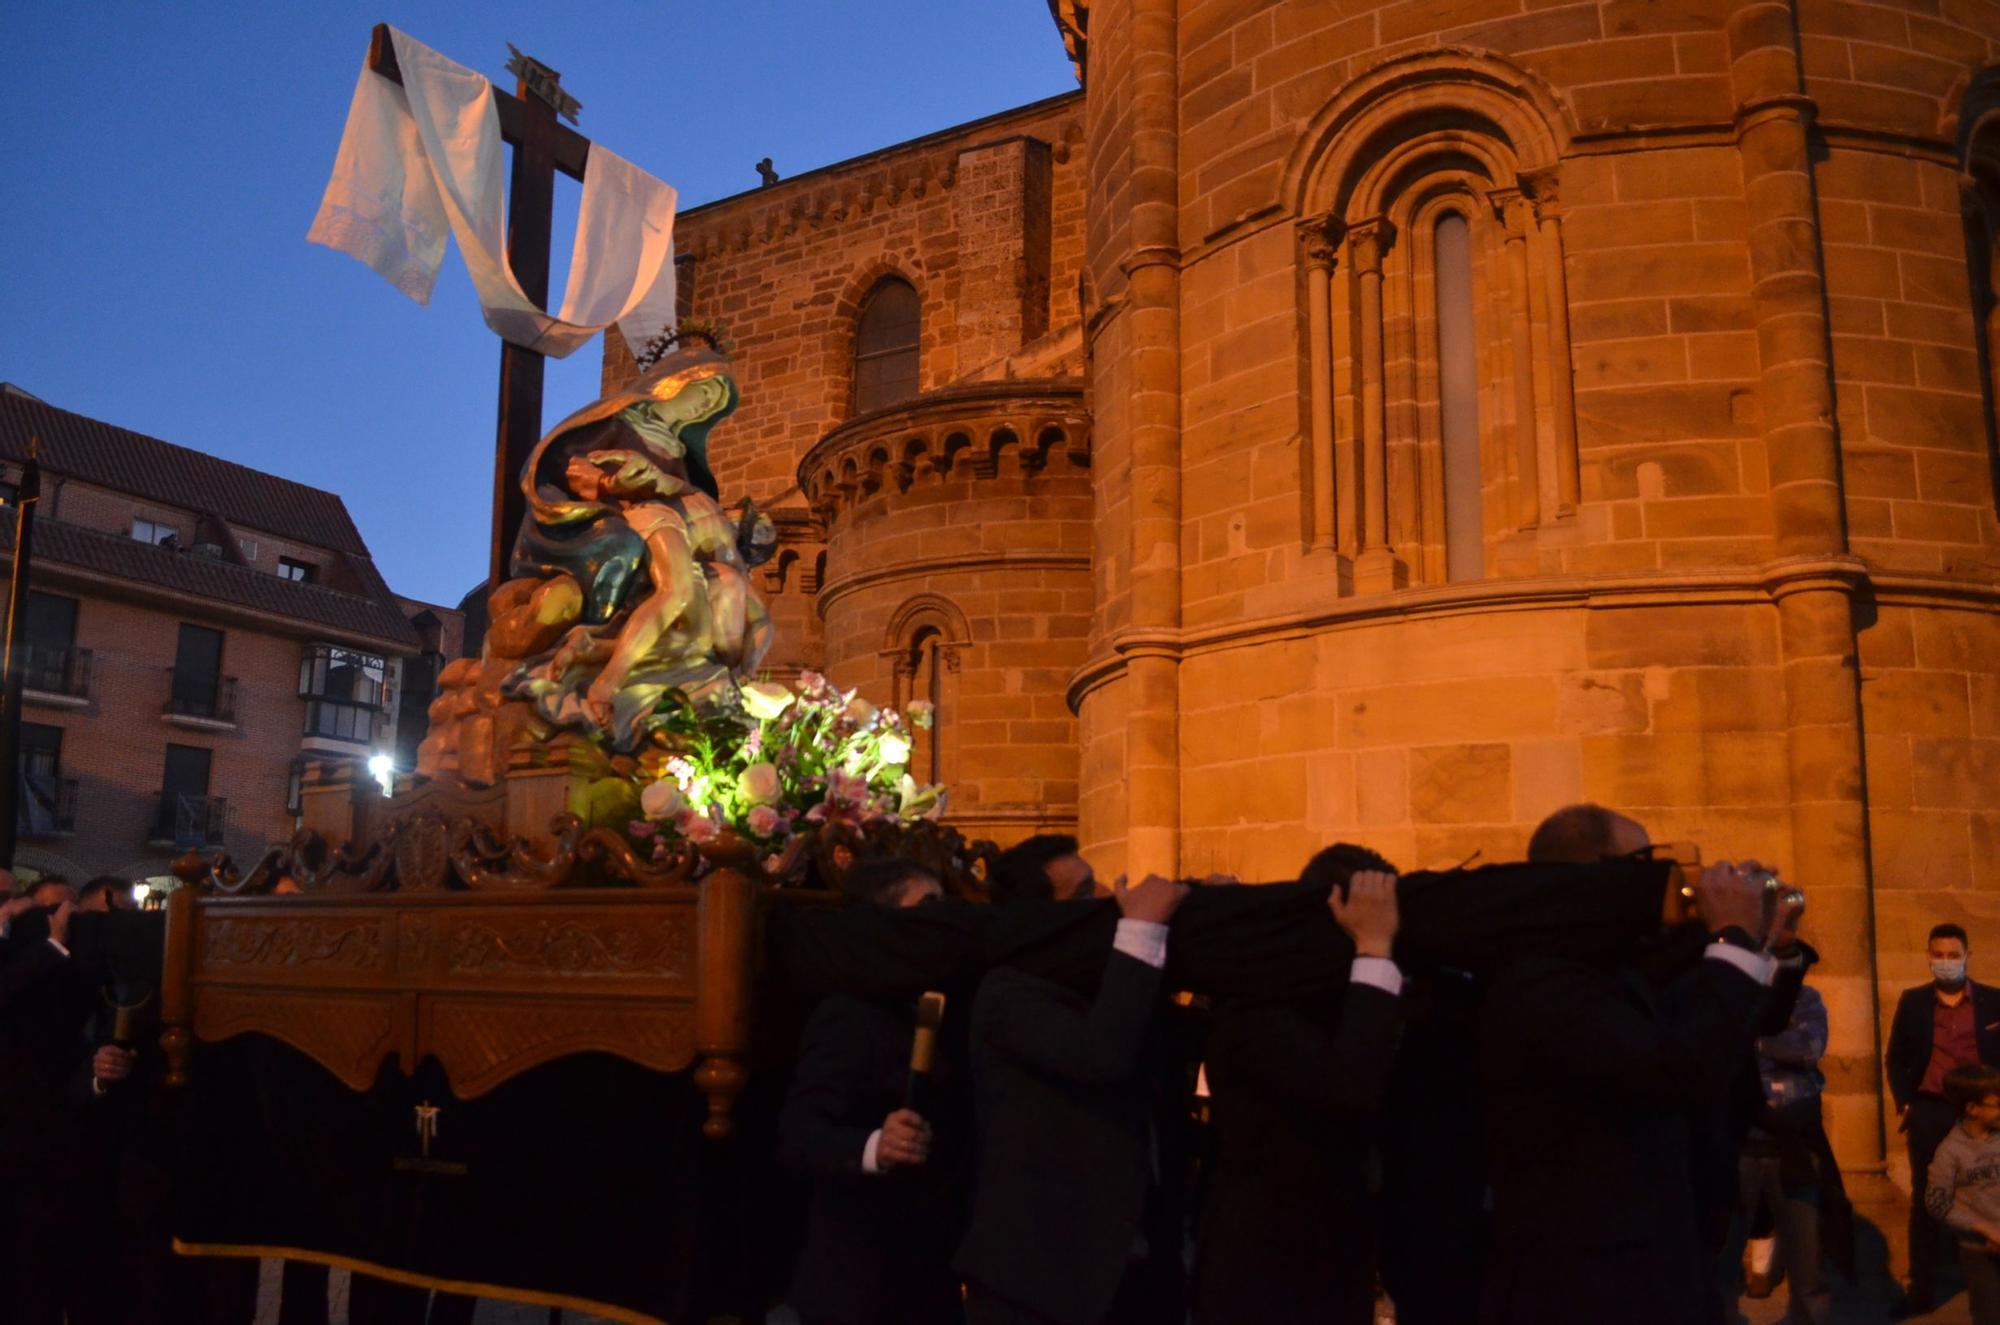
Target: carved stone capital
pixel 1543 189
pixel 1516 213
pixel 1368 241
pixel 1319 239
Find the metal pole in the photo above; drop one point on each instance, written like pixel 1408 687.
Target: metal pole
pixel 12 648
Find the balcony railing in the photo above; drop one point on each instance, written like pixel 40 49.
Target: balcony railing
pixel 55 669
pixel 47 807
pixel 190 821
pixel 204 704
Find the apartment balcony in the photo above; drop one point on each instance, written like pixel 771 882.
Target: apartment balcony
pixel 55 676
pixel 47 807
pixel 209 705
pixel 189 821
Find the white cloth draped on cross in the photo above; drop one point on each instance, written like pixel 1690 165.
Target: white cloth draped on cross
pixel 425 159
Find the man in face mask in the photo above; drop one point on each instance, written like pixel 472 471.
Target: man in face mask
pixel 1945 1024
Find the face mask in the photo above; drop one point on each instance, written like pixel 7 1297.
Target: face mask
pixel 1948 971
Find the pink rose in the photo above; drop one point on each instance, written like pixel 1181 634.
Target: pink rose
pixel 763 820
pixel 696 826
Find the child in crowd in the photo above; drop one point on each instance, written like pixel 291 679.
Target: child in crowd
pixel 1963 1187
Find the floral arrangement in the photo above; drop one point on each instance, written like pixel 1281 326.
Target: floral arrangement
pixel 777 768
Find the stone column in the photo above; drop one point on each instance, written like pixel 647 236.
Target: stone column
pixel 1318 246
pixel 1152 269
pixel 1375 571
pixel 1525 508
pixel 1814 578
pixel 1542 189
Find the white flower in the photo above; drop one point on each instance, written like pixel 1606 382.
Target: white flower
pixel 915 802
pixel 894 748
pixel 765 700
pixel 922 712
pixel 759 785
pixel 660 800
pixel 858 711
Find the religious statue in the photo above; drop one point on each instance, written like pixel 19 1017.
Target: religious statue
pixel 630 582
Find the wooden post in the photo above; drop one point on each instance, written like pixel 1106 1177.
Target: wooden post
pixel 542 146
pixel 12 647
pixel 177 986
pixel 725 915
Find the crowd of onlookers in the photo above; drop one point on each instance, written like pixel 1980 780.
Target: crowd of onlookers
pixel 1630 1135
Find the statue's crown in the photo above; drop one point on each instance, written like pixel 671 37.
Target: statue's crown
pixel 692 330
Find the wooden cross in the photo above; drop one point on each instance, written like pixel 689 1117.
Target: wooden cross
pixel 541 148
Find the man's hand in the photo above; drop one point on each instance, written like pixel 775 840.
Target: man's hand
pixel 1368 912
pixel 906 1141
pixel 1155 899
pixel 112 1064
pixel 59 922
pixel 1727 899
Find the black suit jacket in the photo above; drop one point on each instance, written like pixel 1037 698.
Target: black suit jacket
pixel 1909 1053
pixel 1288 1233
pixel 43 1004
pixel 878 1246
pixel 1068 1100
pixel 1591 1081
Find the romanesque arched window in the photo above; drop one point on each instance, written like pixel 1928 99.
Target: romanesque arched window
pixel 885 345
pixel 1979 177
pixel 926 667
pixel 924 641
pixel 1441 428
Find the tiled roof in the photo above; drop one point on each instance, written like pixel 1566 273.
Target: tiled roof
pixel 131 462
pixel 118 557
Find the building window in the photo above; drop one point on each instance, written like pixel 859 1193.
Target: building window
pixel 188 816
pixel 9 492
pixel 151 531
pixel 302 571
pixel 1458 399
pixel 885 345
pixel 343 690
pixel 47 802
pixel 198 688
pixel 52 664
pixel 927 686
pixel 248 547
pixel 1441 408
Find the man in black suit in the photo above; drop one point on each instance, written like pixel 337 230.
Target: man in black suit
pixel 43 1003
pixel 1945 1024
pixel 1592 1082
pixel 1288 1233
pixel 1071 1222
pixel 887 1207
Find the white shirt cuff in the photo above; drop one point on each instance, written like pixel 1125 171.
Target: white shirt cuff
pixel 58 947
pixel 97 1085
pixel 1759 966
pixel 1384 974
pixel 1142 939
pixel 868 1164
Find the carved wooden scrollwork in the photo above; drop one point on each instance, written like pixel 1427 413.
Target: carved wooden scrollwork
pixel 660 947
pixel 355 943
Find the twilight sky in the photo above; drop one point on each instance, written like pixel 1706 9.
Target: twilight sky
pixel 165 160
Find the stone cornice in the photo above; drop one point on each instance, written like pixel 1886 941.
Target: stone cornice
pixel 891 176
pixel 923 567
pixel 971 427
pixel 1753 584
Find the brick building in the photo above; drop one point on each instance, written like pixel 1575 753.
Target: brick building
pixel 1391 421
pixel 197 633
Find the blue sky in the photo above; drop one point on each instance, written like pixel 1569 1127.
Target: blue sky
pixel 165 160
